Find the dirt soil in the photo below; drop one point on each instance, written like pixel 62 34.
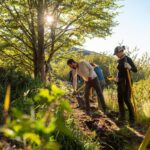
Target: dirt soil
pixel 111 134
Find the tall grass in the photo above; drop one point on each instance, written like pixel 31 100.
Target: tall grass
pixel 142 97
pixel 111 98
pixel 141 91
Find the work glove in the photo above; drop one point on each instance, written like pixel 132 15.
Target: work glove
pixel 127 66
pixel 89 78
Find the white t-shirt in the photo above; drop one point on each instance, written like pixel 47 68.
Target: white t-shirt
pixel 84 70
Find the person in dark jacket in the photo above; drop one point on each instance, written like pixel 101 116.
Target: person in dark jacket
pixel 123 87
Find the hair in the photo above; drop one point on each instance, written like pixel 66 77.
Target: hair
pixel 70 61
pixel 119 49
pixel 92 64
pixel 123 47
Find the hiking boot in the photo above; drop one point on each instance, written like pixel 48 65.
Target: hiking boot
pixel 121 121
pixel 131 122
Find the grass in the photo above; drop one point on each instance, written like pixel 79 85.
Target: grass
pixel 142 96
pixel 111 99
pixel 77 140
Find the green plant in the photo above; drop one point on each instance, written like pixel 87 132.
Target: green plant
pixel 78 140
pixel 37 131
pixel 19 81
pixel 41 123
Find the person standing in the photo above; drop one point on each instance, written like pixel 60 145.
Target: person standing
pixel 86 71
pixel 125 63
pixel 100 75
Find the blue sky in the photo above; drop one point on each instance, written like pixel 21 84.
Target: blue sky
pixel 133 29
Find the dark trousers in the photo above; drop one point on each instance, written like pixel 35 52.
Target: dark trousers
pixel 102 84
pixel 96 85
pixel 124 96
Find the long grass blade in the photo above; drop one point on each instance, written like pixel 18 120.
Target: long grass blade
pixel 7 103
pixel 145 141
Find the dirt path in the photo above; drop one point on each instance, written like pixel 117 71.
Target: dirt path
pixel 100 127
pixel 105 129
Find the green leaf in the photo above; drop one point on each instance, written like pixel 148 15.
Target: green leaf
pixel 33 137
pixel 17 128
pixel 44 95
pixel 7 132
pixel 51 127
pixel 62 127
pixel 52 146
pixel 65 105
pixel 56 91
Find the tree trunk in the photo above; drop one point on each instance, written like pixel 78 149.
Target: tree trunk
pixel 36 66
pixel 41 58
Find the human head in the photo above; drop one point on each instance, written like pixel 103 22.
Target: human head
pixel 72 63
pixel 119 51
pixel 92 64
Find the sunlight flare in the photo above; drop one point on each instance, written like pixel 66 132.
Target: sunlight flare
pixel 49 19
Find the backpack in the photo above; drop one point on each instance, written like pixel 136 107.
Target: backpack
pixel 99 73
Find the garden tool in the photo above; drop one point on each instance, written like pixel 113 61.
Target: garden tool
pixel 132 94
pixel 145 141
pixel 79 97
pixel 76 92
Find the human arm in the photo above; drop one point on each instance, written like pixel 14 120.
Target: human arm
pixel 130 65
pixel 74 73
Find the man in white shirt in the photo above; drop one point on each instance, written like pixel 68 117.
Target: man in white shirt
pixel 86 71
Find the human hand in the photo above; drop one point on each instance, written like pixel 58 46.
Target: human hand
pixel 110 78
pixel 89 78
pixel 127 65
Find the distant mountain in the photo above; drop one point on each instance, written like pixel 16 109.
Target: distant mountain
pixel 83 51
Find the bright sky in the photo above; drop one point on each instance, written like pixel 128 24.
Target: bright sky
pixel 133 29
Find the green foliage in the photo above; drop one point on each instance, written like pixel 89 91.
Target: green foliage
pixel 142 63
pixel 27 38
pixel 108 63
pixel 39 121
pixel 38 130
pixel 111 97
pixel 61 70
pixel 20 82
pixel 77 140
pixel 141 91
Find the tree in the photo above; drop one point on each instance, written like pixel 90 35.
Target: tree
pixel 31 41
